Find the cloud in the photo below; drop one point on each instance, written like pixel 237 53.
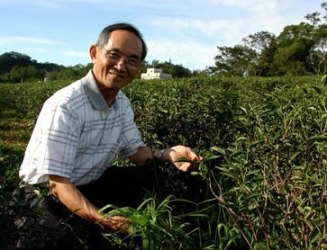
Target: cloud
pixel 10 40
pixel 210 31
pixel 76 54
pixel 247 17
pixel 193 41
pixel 35 3
pixel 194 55
pixel 249 5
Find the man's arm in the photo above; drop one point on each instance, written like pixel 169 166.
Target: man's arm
pixel 172 155
pixel 76 202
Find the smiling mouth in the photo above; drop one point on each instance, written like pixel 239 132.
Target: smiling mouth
pixel 116 74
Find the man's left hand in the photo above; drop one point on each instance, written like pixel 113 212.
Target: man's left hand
pixel 182 157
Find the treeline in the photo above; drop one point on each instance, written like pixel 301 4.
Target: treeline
pixel 16 67
pixel 298 50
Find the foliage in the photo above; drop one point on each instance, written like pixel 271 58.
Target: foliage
pixel 16 67
pixel 276 170
pixel 235 61
pixel 177 71
pixel 298 50
pixel 262 181
pixel 10 59
pixel 154 223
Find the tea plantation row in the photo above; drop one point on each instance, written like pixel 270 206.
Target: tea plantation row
pixel 262 183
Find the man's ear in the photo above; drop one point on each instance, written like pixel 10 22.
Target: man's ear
pixel 93 52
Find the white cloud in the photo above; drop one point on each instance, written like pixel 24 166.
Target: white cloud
pixel 193 41
pixel 35 3
pixel 9 40
pixel 247 17
pixel 182 26
pixel 77 54
pixel 189 54
pixel 249 5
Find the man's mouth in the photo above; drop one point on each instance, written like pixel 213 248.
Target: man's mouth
pixel 116 74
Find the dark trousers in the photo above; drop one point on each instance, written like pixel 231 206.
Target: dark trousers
pixel 120 186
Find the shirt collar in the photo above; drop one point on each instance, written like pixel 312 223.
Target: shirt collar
pixel 93 92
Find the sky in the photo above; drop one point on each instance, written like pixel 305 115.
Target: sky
pixel 184 32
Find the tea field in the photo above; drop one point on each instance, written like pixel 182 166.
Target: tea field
pixel 262 183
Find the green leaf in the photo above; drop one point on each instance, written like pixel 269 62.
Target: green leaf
pixel 318 90
pixel 259 246
pixel 218 150
pixel 139 219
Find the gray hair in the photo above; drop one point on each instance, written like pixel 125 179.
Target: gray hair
pixel 105 33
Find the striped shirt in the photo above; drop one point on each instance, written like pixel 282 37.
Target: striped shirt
pixel 77 135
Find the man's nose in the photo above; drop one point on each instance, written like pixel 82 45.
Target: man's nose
pixel 121 64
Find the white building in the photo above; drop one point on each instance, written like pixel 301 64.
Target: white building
pixel 153 73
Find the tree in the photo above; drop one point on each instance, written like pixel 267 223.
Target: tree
pixel 314 18
pixel 237 61
pixel 21 74
pixel 260 41
pixel 12 59
pixel 293 46
pixel 177 71
pixel 324 6
pixel 318 56
pixel 69 73
pixel 318 53
pixel 264 43
pixel 299 49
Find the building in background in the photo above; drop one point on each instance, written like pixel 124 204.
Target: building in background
pixel 153 73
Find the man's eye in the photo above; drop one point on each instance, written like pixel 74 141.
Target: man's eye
pixel 133 61
pixel 114 55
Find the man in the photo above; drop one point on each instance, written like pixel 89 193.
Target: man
pixel 83 126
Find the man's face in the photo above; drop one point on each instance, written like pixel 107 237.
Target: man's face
pixel 118 62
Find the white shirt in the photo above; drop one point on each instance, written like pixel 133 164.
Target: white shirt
pixel 77 135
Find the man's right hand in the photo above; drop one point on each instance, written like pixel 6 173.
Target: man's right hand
pixel 76 202
pixel 116 224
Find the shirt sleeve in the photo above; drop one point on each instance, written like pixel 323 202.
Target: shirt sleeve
pixel 57 142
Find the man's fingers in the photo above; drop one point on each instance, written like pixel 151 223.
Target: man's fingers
pixel 118 223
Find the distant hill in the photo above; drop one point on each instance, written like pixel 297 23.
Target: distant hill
pixel 9 60
pixel 16 67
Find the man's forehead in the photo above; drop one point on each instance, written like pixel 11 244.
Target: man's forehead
pixel 124 41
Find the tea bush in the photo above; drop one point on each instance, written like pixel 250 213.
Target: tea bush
pixel 276 169
pixel 262 183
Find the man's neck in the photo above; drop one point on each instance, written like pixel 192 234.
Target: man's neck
pixel 109 95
